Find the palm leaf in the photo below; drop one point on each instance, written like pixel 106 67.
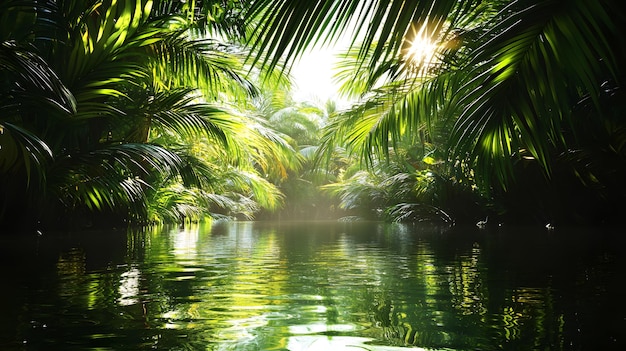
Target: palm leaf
pixel 287 28
pixel 112 177
pixel 508 88
pixel 25 70
pixel 504 109
pixel 22 150
pixel 204 63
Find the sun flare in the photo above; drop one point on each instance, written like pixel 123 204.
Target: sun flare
pixel 421 48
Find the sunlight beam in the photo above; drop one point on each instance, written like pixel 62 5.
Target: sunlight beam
pixel 421 48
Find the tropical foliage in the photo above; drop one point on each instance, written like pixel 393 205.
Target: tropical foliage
pixel 126 109
pixel 527 92
pixel 140 111
pixel 302 123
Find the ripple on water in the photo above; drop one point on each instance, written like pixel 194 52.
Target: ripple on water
pixel 250 288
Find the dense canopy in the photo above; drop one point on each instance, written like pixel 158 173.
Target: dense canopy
pixel 148 111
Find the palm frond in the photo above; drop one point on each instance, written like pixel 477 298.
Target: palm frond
pixel 287 28
pixel 298 122
pixel 418 212
pixel 175 203
pixel 178 111
pixel 22 151
pixel 269 150
pixel 209 18
pixel 250 185
pixel 111 177
pixel 506 86
pixel 503 108
pixel 27 71
pixel 215 68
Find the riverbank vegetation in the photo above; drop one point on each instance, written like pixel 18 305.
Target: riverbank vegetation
pixel 115 113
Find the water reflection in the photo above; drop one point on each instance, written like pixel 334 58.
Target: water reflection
pixel 324 286
pixel 129 287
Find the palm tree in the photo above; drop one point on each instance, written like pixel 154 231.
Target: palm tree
pixel 132 84
pixel 301 124
pixel 518 84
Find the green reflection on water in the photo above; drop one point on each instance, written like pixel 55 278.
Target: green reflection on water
pixel 300 286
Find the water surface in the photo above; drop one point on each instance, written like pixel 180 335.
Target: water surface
pixel 314 286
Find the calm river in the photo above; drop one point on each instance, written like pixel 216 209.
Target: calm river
pixel 314 286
